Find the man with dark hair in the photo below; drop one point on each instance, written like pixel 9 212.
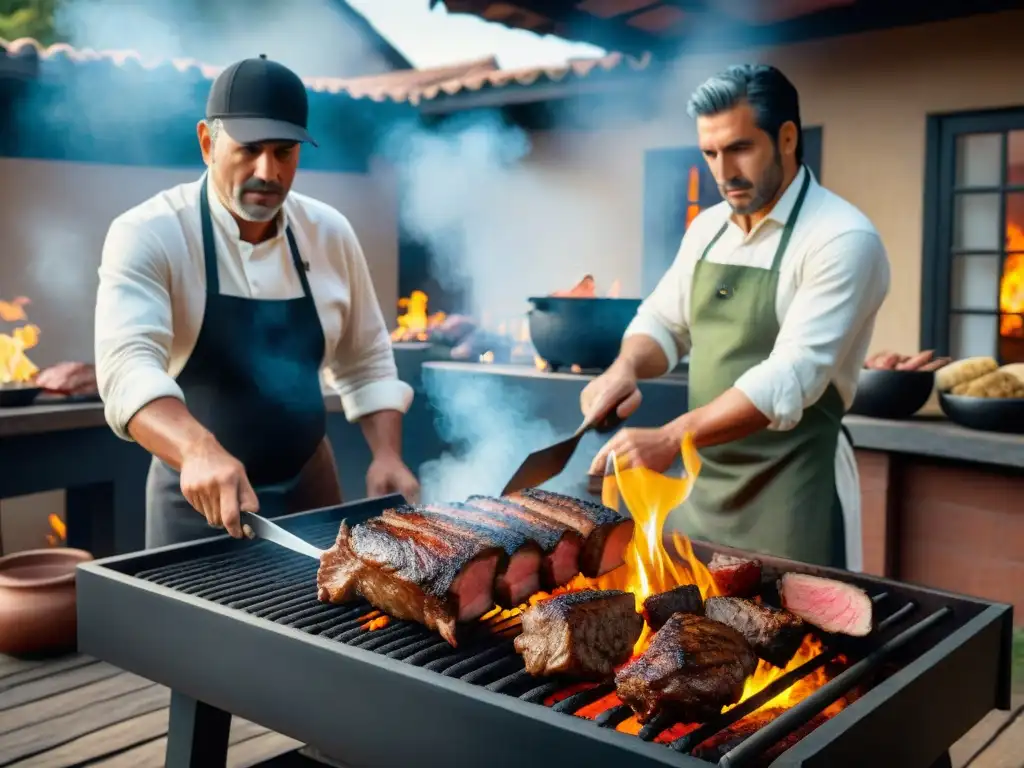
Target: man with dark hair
pixel 773 295
pixel 220 303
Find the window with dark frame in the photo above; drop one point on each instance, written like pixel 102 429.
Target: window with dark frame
pixel 973 270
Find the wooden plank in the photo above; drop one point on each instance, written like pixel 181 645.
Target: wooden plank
pixel 37 738
pixel 99 744
pixel 151 754
pixel 54 685
pixel 37 672
pixel 259 748
pixel 71 701
pixel 11 664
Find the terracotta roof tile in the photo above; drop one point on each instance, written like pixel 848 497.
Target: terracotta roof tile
pixel 400 86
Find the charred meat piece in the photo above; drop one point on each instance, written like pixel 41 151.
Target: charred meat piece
pixel 830 605
pixel 410 572
pixel 605 532
pixel 735 576
pixel 774 635
pixel 685 599
pixel 585 634
pixel 561 544
pixel 518 577
pixel 693 667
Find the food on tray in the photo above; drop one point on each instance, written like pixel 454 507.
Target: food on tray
pixel 693 667
pixel 411 573
pixel 584 634
pixel 735 576
pixel 441 564
pixel 774 635
pixel 892 361
pixel 962 371
pixel 997 384
pixel 1014 369
pixel 560 544
pixel 830 605
pixel 605 532
pixel 657 609
pixel 518 574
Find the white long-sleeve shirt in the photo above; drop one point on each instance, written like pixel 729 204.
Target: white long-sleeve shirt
pixel 833 279
pixel 152 298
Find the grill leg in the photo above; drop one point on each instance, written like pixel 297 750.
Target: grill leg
pixel 197 736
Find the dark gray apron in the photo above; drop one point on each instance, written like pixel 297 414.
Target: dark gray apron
pixel 253 380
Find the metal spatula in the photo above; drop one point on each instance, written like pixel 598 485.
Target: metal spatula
pixel 253 525
pixel 540 466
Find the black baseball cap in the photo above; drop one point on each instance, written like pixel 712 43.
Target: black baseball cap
pixel 260 100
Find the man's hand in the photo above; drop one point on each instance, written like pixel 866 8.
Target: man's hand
pixel 616 386
pixel 215 483
pixel 654 449
pixel 388 474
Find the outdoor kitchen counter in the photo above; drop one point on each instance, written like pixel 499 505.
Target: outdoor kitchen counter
pixel 940 504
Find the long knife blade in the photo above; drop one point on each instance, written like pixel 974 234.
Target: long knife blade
pixel 253 525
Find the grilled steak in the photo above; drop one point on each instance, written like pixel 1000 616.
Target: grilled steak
pixel 685 599
pixel 693 667
pixel 586 634
pixel 830 605
pixel 605 532
pixel 410 572
pixel 560 543
pixel 735 576
pixel 774 635
pixel 518 575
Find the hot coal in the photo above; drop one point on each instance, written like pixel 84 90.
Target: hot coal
pixel 775 635
pixel 585 634
pixel 657 609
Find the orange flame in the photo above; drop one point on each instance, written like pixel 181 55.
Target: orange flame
pixel 415 324
pixel 1011 288
pixel 15 366
pixel 587 289
pixel 60 531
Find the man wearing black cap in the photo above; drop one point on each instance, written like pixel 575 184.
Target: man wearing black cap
pixel 220 302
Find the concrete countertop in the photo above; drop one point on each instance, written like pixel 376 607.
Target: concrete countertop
pixel 923 435
pixel 55 416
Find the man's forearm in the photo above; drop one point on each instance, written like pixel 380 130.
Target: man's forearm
pixel 383 432
pixel 730 416
pixel 166 429
pixel 642 357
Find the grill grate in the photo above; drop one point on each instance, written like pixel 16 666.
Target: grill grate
pixel 271 583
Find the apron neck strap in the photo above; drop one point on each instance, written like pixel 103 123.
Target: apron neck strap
pixel 210 252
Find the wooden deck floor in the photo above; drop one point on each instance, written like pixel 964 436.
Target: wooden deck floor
pixel 76 711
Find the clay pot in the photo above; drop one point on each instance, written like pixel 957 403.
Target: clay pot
pixel 37 601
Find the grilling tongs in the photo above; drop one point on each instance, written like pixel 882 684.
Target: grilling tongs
pixel 540 466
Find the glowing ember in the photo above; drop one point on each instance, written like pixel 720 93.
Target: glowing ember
pixel 1011 289
pixel 60 531
pixel 414 323
pixel 15 367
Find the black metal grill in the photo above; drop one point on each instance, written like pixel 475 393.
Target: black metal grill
pixel 274 584
pixel 271 652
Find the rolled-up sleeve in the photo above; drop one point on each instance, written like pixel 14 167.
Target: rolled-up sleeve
pixel 133 325
pixel 841 288
pixel 363 369
pixel 662 315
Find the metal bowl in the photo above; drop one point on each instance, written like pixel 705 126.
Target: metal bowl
pixel 18 395
pixel 884 394
pixel 988 414
pixel 586 332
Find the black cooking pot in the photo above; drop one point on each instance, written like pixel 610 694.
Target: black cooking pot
pixel 989 414
pixel 884 394
pixel 579 331
pixel 18 395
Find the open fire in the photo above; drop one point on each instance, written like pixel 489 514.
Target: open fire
pixel 1011 288
pixel 15 366
pixel 58 531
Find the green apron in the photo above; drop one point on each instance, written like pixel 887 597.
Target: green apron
pixel 772 492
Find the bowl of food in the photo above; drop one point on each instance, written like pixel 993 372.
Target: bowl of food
pixel 18 394
pixel 581 331
pixel 37 600
pixel 894 386
pixel 976 393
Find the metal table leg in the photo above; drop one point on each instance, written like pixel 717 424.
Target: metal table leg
pixel 197 736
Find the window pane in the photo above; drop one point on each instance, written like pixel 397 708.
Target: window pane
pixel 975 283
pixel 976 222
pixel 979 160
pixel 1015 158
pixel 973 335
